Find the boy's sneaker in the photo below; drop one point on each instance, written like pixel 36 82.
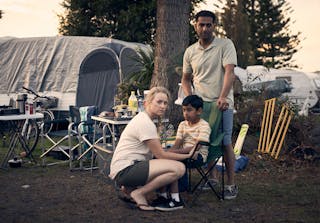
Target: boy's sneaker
pixel 160 200
pixel 171 205
pixel 230 192
pixel 206 186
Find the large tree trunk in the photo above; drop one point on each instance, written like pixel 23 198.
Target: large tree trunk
pixel 172 37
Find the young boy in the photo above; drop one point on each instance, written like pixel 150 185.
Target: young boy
pixel 193 129
pixel 190 131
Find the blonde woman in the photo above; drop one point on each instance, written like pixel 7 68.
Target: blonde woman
pixel 133 166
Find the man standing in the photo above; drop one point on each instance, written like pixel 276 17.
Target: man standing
pixel 209 65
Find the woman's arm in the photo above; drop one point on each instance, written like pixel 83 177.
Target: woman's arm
pixel 177 147
pixel 156 149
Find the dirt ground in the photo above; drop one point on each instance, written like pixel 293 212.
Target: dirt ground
pixel 269 191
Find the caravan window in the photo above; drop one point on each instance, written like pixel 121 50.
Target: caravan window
pixel 317 82
pixel 288 78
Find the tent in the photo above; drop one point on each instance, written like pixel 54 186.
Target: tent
pixel 78 70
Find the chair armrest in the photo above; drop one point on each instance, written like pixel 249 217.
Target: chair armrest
pixel 198 146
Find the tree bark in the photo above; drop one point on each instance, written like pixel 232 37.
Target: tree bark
pixel 172 38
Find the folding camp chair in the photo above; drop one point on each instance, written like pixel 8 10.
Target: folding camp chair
pixel 58 141
pixel 73 139
pixel 86 138
pixel 213 116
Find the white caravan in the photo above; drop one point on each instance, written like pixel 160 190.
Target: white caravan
pixel 305 87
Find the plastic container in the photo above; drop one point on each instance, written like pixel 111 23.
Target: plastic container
pixel 145 93
pixel 140 104
pixel 133 103
pixel 29 108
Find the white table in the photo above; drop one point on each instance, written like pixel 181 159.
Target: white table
pixel 95 146
pixel 20 117
pixel 15 127
pixel 111 123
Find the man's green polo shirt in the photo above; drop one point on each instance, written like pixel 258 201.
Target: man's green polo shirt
pixel 207 67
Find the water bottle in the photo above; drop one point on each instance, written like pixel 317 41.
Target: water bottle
pixel 140 104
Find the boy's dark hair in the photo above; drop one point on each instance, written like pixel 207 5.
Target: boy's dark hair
pixel 194 100
pixel 205 13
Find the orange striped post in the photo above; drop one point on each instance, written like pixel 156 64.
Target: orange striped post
pixel 266 125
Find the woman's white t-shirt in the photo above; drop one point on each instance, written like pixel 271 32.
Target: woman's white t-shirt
pixel 131 146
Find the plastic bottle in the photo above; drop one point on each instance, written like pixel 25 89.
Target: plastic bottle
pixel 133 103
pixel 29 109
pixel 26 108
pixel 140 104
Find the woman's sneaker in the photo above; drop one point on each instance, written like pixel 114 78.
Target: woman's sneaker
pixel 230 192
pixel 171 205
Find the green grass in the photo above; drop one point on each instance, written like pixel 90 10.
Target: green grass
pixel 42 145
pixel 268 192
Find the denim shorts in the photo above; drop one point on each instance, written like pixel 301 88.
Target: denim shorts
pixel 227 126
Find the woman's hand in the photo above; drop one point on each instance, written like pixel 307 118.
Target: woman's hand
pixel 191 152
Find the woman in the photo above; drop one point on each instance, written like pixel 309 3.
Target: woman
pixel 132 164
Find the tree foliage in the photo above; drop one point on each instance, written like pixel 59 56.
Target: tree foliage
pixel 143 76
pixel 235 23
pixel 273 43
pixel 133 21
pixel 126 20
pixel 262 28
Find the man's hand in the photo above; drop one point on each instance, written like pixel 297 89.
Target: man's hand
pixel 222 104
pixel 186 84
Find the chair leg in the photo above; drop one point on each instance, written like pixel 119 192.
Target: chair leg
pixel 222 179
pixel 189 179
pixel 205 179
pixel 55 144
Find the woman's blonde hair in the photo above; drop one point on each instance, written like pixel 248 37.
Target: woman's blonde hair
pixel 156 90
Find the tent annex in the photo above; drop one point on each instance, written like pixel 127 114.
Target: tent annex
pixel 78 70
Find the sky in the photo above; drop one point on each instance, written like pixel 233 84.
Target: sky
pixel 38 18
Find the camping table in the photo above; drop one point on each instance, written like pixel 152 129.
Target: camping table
pixel 110 123
pixel 16 135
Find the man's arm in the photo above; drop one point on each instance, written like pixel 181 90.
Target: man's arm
pixel 186 83
pixel 228 80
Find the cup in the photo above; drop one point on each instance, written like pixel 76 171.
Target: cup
pixel 145 93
